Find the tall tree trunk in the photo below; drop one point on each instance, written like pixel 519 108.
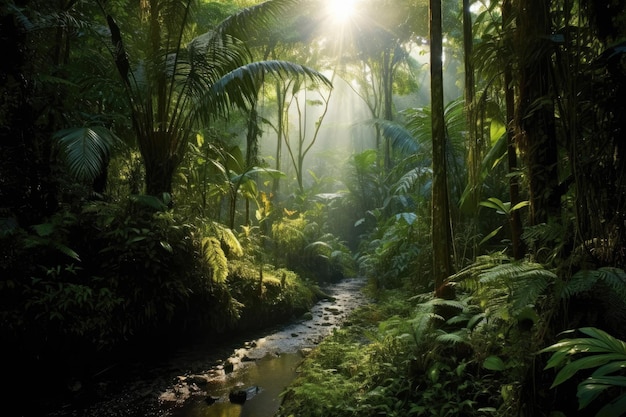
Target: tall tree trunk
pixel 441 227
pixel 252 147
pixel 387 87
pixel 159 174
pixel 535 113
pixel 472 139
pixel 280 100
pixel 515 220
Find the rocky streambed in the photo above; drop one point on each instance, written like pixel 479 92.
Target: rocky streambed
pixel 240 378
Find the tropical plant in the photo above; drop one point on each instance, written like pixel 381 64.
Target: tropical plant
pixel 502 208
pixel 597 353
pixel 174 90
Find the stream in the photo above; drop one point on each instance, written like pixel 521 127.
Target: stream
pixel 202 380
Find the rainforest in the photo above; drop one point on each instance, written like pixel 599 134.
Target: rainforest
pixel 184 172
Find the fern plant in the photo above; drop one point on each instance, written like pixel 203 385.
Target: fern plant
pixel 217 243
pixel 505 288
pixel 585 280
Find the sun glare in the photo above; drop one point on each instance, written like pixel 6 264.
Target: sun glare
pixel 340 10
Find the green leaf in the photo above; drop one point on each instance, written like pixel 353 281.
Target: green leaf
pixel 165 245
pixel 587 392
pixel 617 407
pixel 490 235
pixel 609 368
pixel 520 205
pixel 494 363
pixel 44 229
pixel 496 130
pixel 497 204
pixel 611 342
pixel 588 362
pixel 409 218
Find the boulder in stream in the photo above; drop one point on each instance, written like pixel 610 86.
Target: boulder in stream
pixel 240 396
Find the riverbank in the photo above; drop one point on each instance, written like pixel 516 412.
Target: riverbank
pixel 160 387
pixel 360 369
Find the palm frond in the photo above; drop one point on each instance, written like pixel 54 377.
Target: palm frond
pixel 86 149
pixel 400 137
pixel 257 17
pixel 410 179
pixel 599 352
pixel 238 87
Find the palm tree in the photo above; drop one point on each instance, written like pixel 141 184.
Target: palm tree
pixel 173 89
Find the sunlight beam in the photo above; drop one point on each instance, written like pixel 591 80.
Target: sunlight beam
pixel 341 11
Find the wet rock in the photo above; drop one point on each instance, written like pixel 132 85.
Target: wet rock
pixel 238 397
pixel 305 351
pixel 210 400
pixel 307 316
pixel 229 366
pixel 294 334
pixel 333 310
pixel 199 380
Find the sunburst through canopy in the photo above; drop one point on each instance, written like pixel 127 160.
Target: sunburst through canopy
pixel 341 10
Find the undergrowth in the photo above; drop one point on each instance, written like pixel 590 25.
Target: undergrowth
pixel 401 357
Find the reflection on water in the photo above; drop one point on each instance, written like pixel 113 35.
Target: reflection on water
pixel 270 374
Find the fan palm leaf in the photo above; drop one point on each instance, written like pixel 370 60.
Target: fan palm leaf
pixel 86 149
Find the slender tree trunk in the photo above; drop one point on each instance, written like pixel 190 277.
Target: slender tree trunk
pixel 280 99
pixel 472 139
pixel 441 231
pixel 252 148
pixel 387 84
pixel 515 220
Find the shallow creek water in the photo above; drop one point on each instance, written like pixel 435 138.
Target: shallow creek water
pixel 261 368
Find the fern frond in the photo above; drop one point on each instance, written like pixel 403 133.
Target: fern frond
pixel 529 290
pixel 515 271
pixel 584 281
pixel 317 247
pixel 615 278
pixel 468 277
pixel 440 302
pixel 215 257
pixel 229 239
pixel 525 281
pixel 410 179
pixel 454 338
pixel 225 236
